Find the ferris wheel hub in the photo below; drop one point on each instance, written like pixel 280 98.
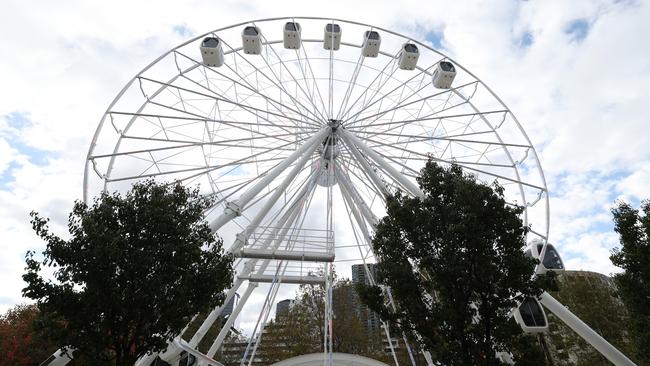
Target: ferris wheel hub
pixel 334 124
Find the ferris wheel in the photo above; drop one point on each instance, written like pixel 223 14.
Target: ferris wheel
pixel 298 128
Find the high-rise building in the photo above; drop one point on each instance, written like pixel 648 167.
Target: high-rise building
pixel 360 275
pixel 282 308
pixel 371 319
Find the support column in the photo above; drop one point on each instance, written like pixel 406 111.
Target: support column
pixel 344 180
pixel 366 167
pixel 367 237
pixel 280 190
pixel 352 140
pixel 231 319
pixel 583 330
pixel 357 216
pixel 233 209
pixel 214 314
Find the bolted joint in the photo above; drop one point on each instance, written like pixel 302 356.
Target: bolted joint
pixel 234 207
pixel 248 267
pixel 241 239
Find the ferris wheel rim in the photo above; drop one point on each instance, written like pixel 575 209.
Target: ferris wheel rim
pixel 544 188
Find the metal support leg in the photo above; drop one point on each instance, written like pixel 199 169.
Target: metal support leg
pixel 344 180
pixel 352 141
pixel 367 237
pixel 599 343
pixel 283 222
pixel 231 319
pixel 279 191
pixel 368 169
pixel 212 317
pixel 231 211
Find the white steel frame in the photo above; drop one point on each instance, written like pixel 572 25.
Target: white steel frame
pixel 255 133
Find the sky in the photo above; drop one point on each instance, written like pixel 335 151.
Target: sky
pixel 575 73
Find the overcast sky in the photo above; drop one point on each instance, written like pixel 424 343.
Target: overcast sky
pixel 576 73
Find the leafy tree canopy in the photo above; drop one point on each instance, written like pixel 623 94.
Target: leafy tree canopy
pixel 19 345
pixel 455 265
pixel 633 256
pixel 133 270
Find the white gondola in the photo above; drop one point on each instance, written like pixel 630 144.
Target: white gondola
pixel 371 43
pixel 251 38
pixel 531 316
pixel 552 260
pixel 408 57
pixel 211 52
pixel 59 358
pixel 332 39
pixel 444 75
pixel 292 35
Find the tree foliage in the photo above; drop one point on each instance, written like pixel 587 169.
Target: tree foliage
pixel 633 256
pixel 19 344
pixel 454 262
pixel 133 270
pixel 301 331
pixel 596 302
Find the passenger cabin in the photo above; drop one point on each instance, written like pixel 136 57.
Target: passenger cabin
pixel 408 57
pixel 292 36
pixel 59 358
pixel 531 316
pixel 444 75
pixel 251 38
pixel 332 39
pixel 211 52
pixel 187 359
pixel 371 43
pixel 552 260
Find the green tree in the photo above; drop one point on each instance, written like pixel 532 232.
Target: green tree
pixel 19 344
pixel 596 302
pixel 633 256
pixel 133 269
pixel 454 262
pixel 300 331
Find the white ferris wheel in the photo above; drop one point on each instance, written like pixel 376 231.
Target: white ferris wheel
pixel 298 127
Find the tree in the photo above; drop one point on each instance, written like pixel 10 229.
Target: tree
pixel 19 345
pixel 634 282
pixel 133 271
pixel 300 331
pixel 595 300
pixel 454 262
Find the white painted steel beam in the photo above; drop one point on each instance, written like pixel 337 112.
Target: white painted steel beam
pixel 297 280
pixel 292 255
pixel 366 167
pixel 214 314
pixel 583 330
pixel 282 225
pixel 353 140
pixel 234 208
pixel 231 319
pixel 346 184
pixel 242 238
